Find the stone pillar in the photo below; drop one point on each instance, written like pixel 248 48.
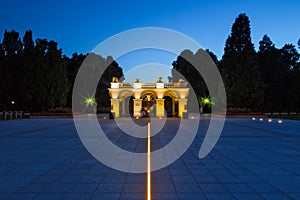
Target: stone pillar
pixel 115 106
pixel 201 108
pixel 173 108
pixel 137 107
pixel 182 104
pixel 160 107
pixel 123 108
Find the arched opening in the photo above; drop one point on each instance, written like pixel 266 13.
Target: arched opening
pixel 148 102
pixel 126 109
pixel 169 106
pixel 171 103
pixel 126 103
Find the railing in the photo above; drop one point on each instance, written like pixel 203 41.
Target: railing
pixel 153 85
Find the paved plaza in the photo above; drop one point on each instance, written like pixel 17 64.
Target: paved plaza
pixel 45 159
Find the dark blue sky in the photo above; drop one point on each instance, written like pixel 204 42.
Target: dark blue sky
pixel 78 26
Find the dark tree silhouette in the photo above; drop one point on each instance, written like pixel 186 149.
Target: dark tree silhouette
pixel 113 70
pixel 183 69
pixel 12 68
pixel 273 74
pixel 73 64
pixel 239 67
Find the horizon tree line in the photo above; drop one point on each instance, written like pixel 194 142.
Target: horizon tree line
pixel 35 75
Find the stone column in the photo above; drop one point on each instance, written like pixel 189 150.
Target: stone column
pixel 173 108
pixel 160 107
pixel 182 104
pixel 137 107
pixel 123 108
pixel 115 106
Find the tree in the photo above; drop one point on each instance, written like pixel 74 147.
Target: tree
pixel 112 70
pixel 239 67
pixel 28 56
pixel 73 64
pixel 289 58
pixel 280 74
pixel 273 74
pixel 12 67
pixel 46 82
pixel 213 57
pixel 2 77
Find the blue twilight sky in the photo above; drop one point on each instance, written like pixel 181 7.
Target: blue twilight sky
pixel 78 26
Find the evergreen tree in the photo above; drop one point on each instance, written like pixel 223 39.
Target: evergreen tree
pixel 273 74
pixel 112 70
pixel 73 64
pixel 239 67
pixel 289 59
pixel 12 68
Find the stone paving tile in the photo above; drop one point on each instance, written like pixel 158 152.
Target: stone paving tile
pixel 110 196
pixel 133 196
pixel 165 196
pixel 275 196
pixel 109 188
pixel 238 188
pixel 77 196
pixel 88 179
pixel 213 188
pixel 191 196
pixel 22 195
pixel 59 188
pixel 84 188
pixel 49 196
pixel 44 159
pixel 247 196
pixel 219 196
pixel 163 188
pixel 34 187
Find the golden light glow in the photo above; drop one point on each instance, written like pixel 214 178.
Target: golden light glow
pixel 148 98
pixel 149 165
pixel 269 120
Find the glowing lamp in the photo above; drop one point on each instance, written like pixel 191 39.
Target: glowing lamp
pixel 90 101
pixel 280 121
pixel 253 118
pixel 261 119
pixel 269 120
pixel 206 101
pixel 12 102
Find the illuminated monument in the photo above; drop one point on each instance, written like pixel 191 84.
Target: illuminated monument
pixel 149 98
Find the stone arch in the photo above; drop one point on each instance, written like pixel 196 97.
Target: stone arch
pixel 126 97
pixel 150 92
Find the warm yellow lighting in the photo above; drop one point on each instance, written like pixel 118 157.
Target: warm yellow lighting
pixel 148 98
pixel 12 102
pixel 253 118
pixel 149 165
pixel 137 117
pixel 269 120
pixel 280 121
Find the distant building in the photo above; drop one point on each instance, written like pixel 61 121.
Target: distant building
pixel 148 98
